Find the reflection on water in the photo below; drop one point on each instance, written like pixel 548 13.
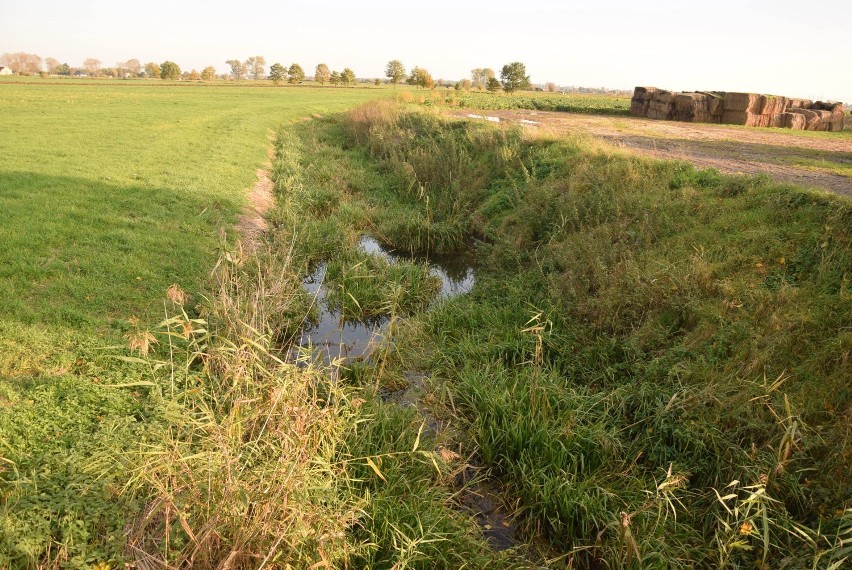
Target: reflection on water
pixel 332 337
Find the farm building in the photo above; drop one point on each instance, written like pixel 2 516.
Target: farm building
pixel 5 71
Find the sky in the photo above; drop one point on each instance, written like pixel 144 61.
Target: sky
pixel 779 47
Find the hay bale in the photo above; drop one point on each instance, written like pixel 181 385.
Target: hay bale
pixel 749 102
pixel 800 103
pixel 824 120
pixel 640 101
pixel 811 118
pixel 794 121
pixel 762 120
pixel 740 118
pixel 683 107
pixel 661 105
pixel 773 105
pixel 777 120
pixel 838 116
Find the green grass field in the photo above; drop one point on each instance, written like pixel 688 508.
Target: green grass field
pixel 109 194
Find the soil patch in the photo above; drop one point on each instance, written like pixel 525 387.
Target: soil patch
pixel 252 222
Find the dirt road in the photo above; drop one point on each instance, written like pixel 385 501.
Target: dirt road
pixel 820 160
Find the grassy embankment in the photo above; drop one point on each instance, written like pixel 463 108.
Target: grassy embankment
pixel 109 195
pixel 654 362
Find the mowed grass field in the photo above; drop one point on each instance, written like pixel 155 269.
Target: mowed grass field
pixel 109 194
pixel 112 193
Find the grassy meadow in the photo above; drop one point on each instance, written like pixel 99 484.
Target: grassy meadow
pixel 109 194
pixel 651 370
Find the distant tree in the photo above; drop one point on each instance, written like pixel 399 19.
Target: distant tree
pixel 63 69
pixel 480 76
pixel 347 76
pixel 169 70
pixel 421 77
pixel 133 67
pixel 92 65
pixel 296 73
pixel 239 70
pixel 208 73
pixel 51 64
pixel 514 77
pixel 551 87
pixel 463 85
pixel 334 78
pixel 377 82
pixel 395 71
pixel 152 70
pixel 277 73
pixel 493 85
pixel 194 75
pixel 255 66
pixel 322 74
pixel 22 63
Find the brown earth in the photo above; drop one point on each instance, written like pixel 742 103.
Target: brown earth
pixel 730 149
pixel 252 222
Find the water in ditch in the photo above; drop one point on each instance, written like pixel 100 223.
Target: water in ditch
pixel 334 338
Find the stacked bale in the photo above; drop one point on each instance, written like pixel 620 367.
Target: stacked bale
pixel 749 109
pixel 661 105
pixel 810 117
pixel 838 118
pixel 794 121
pixel 641 100
pixel 742 108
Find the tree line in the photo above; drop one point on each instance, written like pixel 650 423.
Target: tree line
pixel 513 76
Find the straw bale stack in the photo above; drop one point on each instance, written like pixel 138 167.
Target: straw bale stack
pixel 748 102
pixel 800 103
pixel 777 120
pixel 739 118
pixel 794 121
pixel 661 105
pixel 837 118
pixel 811 118
pixel 773 105
pixel 640 101
pixel 824 120
pixel 684 107
pixel 750 109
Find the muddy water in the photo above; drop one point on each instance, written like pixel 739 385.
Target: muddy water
pixel 334 338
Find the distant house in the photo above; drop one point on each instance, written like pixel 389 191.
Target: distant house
pixel 5 71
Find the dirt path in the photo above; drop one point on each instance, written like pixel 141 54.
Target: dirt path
pixel 811 161
pixel 252 221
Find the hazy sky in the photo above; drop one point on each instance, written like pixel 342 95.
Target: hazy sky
pixel 780 47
